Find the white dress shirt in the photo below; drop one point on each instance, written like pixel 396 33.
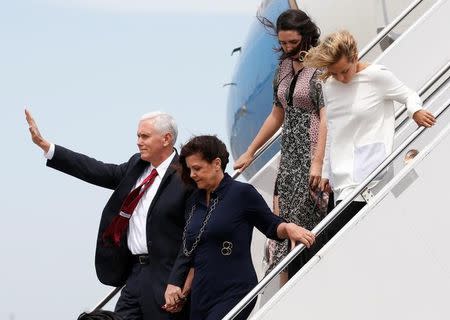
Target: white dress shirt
pixel 137 230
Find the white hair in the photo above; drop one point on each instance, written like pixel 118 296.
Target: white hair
pixel 163 123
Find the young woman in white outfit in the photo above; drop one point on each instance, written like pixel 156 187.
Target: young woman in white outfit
pixel 359 102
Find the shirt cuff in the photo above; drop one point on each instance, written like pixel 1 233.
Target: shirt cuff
pixel 414 104
pixel 51 152
pixel 414 109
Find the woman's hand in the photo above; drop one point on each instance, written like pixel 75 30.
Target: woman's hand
pixel 324 185
pixel 174 308
pixel 243 161
pixel 296 234
pixel 273 122
pixel 174 299
pixel 173 292
pixel 315 174
pixel 424 118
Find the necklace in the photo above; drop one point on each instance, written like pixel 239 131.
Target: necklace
pixel 187 252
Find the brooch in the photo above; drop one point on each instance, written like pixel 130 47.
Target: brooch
pixel 227 248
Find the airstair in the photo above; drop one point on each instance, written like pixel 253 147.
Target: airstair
pixel 391 260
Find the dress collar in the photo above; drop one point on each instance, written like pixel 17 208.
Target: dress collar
pixel 222 187
pixel 219 192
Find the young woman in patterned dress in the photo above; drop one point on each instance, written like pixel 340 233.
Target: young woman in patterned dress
pixel 298 107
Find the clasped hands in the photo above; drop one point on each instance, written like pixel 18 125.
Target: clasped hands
pixel 175 296
pixel 175 299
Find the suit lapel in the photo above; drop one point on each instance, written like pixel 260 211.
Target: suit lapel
pixel 135 172
pixel 169 172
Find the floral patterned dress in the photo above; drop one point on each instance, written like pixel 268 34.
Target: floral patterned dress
pixel 298 145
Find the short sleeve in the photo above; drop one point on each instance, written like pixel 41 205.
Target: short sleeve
pixel 316 92
pixel 259 214
pixel 275 85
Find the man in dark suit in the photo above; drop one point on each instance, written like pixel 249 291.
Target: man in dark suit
pixel 143 257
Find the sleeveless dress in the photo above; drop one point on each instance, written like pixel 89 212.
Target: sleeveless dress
pixel 298 145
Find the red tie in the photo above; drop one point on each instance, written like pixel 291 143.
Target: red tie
pixel 120 222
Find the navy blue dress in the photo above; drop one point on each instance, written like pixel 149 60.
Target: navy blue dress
pixel 224 271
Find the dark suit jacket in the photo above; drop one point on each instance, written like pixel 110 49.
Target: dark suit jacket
pixel 165 220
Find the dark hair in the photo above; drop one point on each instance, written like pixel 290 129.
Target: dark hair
pixel 294 20
pixel 99 315
pixel 209 147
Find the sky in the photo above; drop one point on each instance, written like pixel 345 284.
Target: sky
pixel 87 70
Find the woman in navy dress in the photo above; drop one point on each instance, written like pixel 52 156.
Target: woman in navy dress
pixel 220 219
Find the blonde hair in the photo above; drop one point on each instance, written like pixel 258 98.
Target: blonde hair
pixel 331 50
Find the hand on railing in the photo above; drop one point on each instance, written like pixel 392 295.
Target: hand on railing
pixel 296 234
pixel 424 118
pixel 243 161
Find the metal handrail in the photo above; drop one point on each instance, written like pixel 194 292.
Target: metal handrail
pixel 437 89
pixel 425 88
pixel 259 152
pixel 106 299
pixel 389 28
pixel 327 220
pixel 269 142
